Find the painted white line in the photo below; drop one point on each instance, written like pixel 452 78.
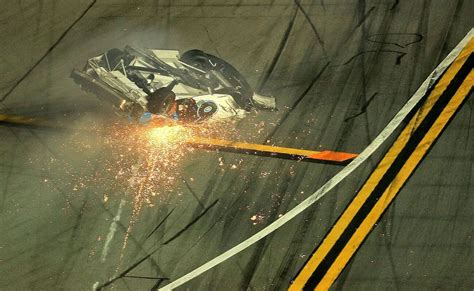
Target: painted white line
pixel 386 132
pixel 112 230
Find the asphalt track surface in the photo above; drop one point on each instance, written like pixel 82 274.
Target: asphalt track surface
pixel 340 70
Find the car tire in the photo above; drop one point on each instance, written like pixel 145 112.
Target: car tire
pixel 160 101
pixel 242 92
pixel 206 110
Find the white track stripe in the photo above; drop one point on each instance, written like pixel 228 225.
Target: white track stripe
pixel 112 230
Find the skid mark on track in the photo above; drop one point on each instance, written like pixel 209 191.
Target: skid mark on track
pixel 416 38
pixel 398 60
pixel 298 101
pixel 193 193
pixel 363 108
pixel 159 224
pixel 61 37
pixel 313 27
pixel 191 223
pixel 97 286
pixel 279 52
pixel 364 18
pixel 395 4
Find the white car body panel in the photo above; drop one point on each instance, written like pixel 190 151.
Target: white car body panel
pixel 154 69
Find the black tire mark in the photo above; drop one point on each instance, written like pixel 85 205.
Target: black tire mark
pixel 191 223
pixel 279 52
pixel 71 257
pixel 159 224
pixel 388 229
pixel 365 17
pixel 445 49
pixel 145 277
pixel 158 283
pixel 397 61
pixel 295 104
pixel 313 27
pixel 418 38
pixel 193 193
pixel 323 5
pixel 395 4
pixel 61 37
pixel 128 270
pixel 260 247
pixel 9 173
pixel 363 109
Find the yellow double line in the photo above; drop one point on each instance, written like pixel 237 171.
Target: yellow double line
pixel 385 182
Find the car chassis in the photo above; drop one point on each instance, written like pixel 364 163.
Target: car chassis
pixel 204 87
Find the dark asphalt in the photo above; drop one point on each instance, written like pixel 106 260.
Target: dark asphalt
pixel 340 70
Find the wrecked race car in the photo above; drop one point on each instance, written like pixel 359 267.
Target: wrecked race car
pixel 150 84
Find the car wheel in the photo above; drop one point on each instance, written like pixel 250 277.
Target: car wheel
pixel 160 101
pixel 240 91
pixel 206 110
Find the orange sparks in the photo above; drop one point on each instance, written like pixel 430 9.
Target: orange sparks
pixel 168 136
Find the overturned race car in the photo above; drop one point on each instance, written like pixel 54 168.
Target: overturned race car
pixel 151 85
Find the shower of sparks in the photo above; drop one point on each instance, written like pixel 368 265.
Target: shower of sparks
pixel 168 136
pixel 150 159
pixel 145 162
pixel 140 164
